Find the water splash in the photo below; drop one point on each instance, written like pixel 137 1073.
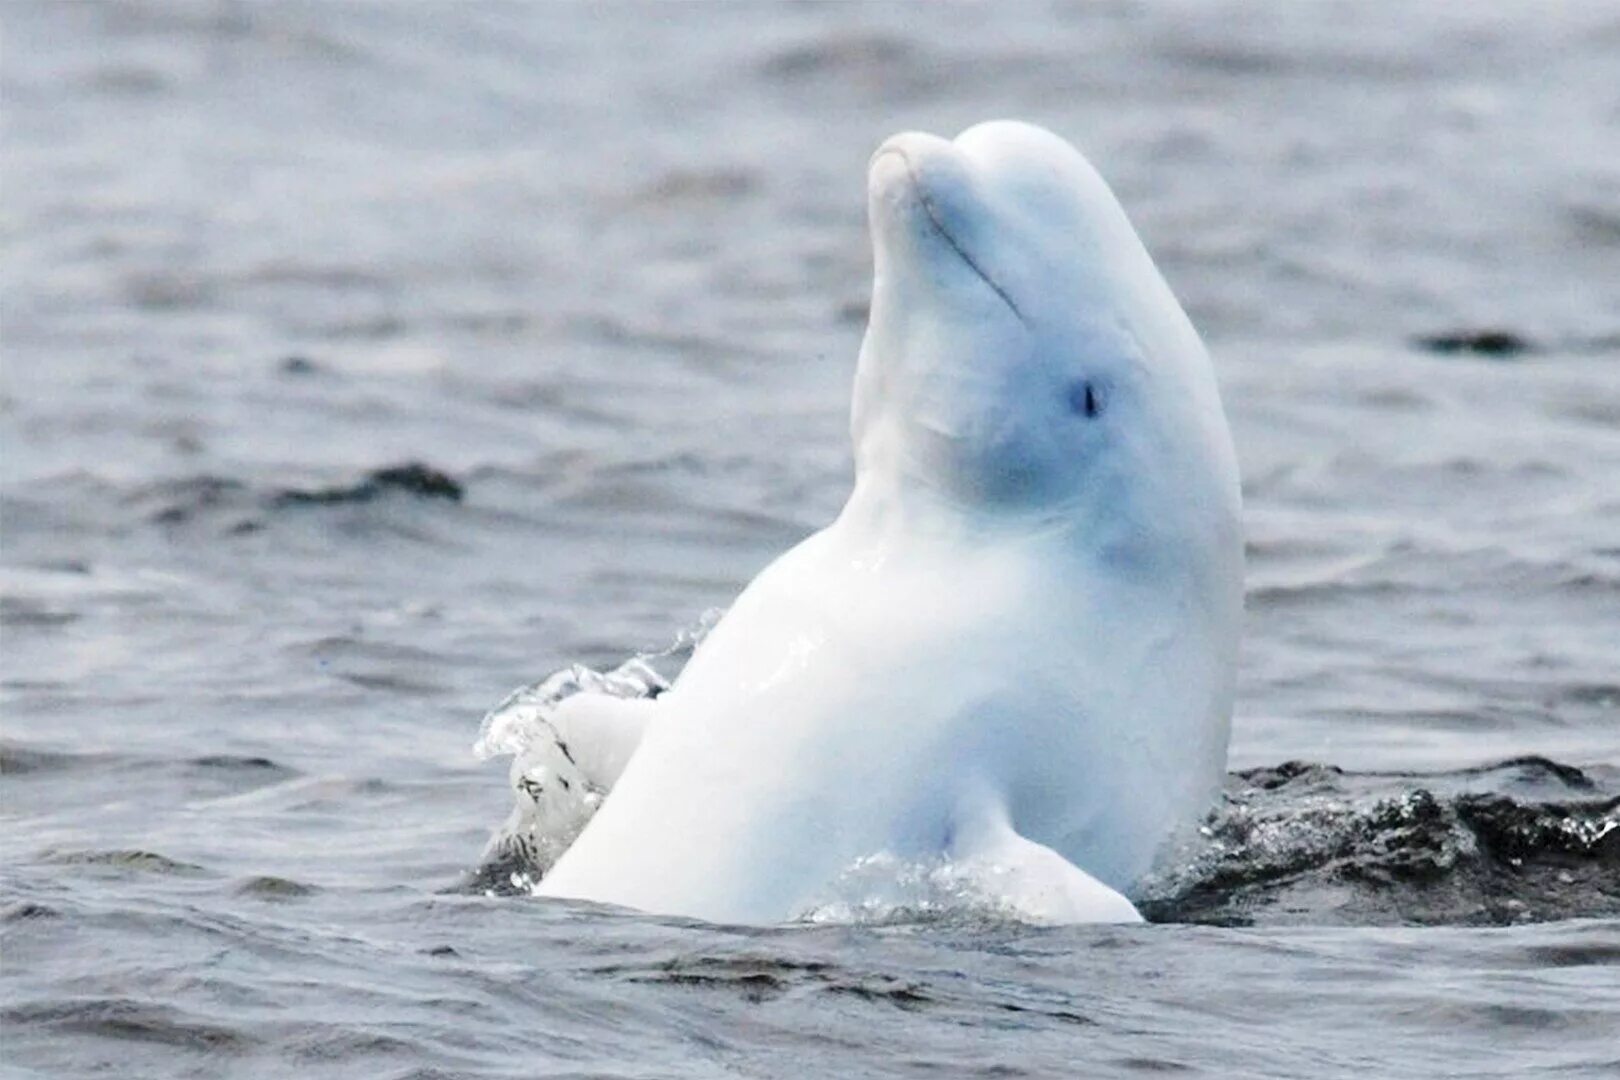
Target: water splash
pixel 1522 840
pixel 552 798
pixel 884 889
pixel 1526 839
pixel 525 715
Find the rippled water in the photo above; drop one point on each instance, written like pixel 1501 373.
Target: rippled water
pixel 601 271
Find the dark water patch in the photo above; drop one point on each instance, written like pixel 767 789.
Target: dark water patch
pixel 755 978
pixel 169 291
pixel 1396 399
pixel 344 648
pixel 883 989
pixel 762 977
pixel 863 63
pixel 19 760
pixel 1594 411
pixel 1594 223
pixel 331 1044
pixel 239 763
pixel 21 612
pixel 392 683
pixel 1493 342
pixel 299 365
pixel 370 328
pixel 130 80
pixel 1579 582
pixel 1533 769
pixel 1328 591
pixel 752 986
pixel 186 498
pixel 411 478
pixel 1066 1016
pixel 1303 842
pixel 1552 831
pixel 145 862
pixel 1601 343
pixel 495 323
pixel 128 1020
pixel 27 911
pixel 682 187
pixel 1153 1065
pixel 1604 695
pixel 269 887
pixel 1229 59
pixel 183 501
pixel 1592 954
pixel 1302 774
pixel 704 350
pixel 510 869
pixel 862 56
pixel 76 567
pixel 224 775
pixel 1241 61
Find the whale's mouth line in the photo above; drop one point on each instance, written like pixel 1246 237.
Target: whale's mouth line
pixel 945 234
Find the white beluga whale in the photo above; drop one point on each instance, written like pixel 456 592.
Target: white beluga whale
pixel 1013 652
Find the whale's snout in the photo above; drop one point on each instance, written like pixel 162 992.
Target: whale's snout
pixel 905 162
pixel 917 180
pixel 928 210
pixel 889 179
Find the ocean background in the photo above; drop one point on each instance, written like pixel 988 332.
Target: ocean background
pixel 361 362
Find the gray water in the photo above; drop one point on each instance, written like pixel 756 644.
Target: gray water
pixel 602 271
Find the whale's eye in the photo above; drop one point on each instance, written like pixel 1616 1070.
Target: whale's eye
pixel 1086 399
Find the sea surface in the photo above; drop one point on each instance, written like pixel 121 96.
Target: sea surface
pixel 363 362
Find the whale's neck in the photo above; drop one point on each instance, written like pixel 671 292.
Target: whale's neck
pixel 889 507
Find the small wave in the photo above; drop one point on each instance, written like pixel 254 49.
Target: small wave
pixel 754 978
pixel 1310 843
pixel 886 890
pixel 411 478
pixel 840 57
pixel 210 499
pixel 18 760
pixel 237 763
pixel 128 1020
pixel 146 862
pixel 759 978
pixel 26 911
pixel 1490 341
pixel 21 612
pixel 269 887
pixel 552 799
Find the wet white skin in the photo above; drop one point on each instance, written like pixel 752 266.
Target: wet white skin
pixel 1015 647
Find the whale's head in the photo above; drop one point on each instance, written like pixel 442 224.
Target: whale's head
pixel 1024 357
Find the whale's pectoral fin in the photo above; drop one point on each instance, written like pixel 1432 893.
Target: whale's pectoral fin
pixel 599 733
pixel 1036 882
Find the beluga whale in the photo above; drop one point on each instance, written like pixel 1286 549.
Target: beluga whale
pixel 1013 652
